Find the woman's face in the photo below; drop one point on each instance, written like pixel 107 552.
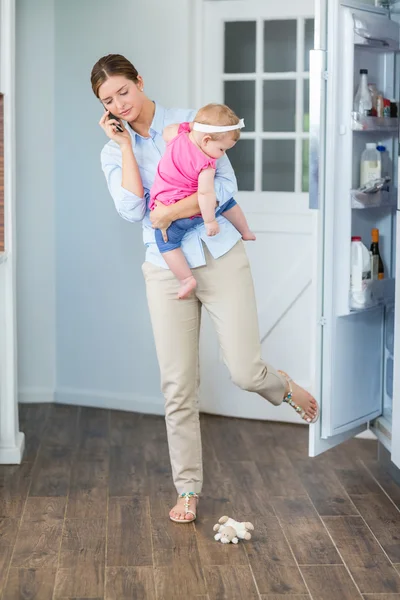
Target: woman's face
pixel 122 97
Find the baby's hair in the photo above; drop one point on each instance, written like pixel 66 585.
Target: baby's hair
pixel 219 115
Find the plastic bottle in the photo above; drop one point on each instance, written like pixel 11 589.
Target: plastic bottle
pixel 371 167
pixel 386 163
pixel 360 274
pixel 362 99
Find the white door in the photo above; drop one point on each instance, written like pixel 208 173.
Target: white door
pixel 255 58
pixel 11 440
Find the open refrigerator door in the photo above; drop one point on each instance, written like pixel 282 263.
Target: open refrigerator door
pixel 355 332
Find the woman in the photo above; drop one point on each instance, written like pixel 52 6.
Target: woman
pixel 220 265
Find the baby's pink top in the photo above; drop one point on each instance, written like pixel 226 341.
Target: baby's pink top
pixel 179 169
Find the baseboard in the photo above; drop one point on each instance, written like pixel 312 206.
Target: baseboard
pixel 151 405
pixel 13 455
pixel 35 396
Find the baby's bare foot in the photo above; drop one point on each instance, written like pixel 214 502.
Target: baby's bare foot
pixel 179 513
pixel 249 236
pixel 187 286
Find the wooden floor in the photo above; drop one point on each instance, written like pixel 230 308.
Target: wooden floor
pixel 85 515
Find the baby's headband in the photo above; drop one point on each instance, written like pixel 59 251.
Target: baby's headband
pixel 217 128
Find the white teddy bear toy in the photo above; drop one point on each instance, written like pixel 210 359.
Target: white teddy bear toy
pixel 229 530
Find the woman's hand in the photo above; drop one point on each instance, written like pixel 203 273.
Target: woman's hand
pixel 160 218
pixel 110 128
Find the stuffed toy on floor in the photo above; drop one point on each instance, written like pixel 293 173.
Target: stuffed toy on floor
pixel 231 531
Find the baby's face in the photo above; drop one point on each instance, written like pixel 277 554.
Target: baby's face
pixel 217 148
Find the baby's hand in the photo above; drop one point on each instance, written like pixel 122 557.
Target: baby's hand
pixel 212 228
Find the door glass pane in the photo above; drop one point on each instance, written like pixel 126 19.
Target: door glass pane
pixel 242 159
pixel 278 165
pixel 305 163
pixel 306 105
pixel 240 47
pixel 240 96
pixel 280 43
pixel 279 106
pixel 308 42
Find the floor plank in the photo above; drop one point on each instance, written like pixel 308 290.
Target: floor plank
pixel 271 559
pixel 305 532
pixel 331 582
pixel 384 520
pixel 30 584
pixel 357 481
pixel 39 536
pixel 88 494
pixel 128 473
pixel 279 475
pixel 381 596
pixel 391 487
pixel 125 583
pixel 324 489
pixel 249 495
pixel 93 430
pixel 8 535
pixel 33 419
pixel 14 485
pixel 369 566
pixel 52 471
pixel 233 582
pixel 227 439
pixel 129 533
pixel 82 559
pixel 62 426
pixel 290 597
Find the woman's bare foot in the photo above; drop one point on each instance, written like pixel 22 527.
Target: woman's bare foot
pixel 179 512
pixel 187 287
pixel 248 236
pixel 302 398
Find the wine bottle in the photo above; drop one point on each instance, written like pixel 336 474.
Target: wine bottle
pixel 377 270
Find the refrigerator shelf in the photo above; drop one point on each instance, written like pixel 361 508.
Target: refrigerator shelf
pixel 384 199
pixel 374 124
pixel 381 292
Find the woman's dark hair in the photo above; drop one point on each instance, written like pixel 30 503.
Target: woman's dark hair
pixel 107 66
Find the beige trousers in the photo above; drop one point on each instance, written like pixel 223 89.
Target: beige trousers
pixel 225 289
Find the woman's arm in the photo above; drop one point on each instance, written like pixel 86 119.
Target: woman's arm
pixel 122 176
pixel 131 179
pixel 162 216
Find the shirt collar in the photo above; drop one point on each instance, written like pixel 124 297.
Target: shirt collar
pixel 157 124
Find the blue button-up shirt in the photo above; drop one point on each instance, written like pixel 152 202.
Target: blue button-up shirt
pixel 148 152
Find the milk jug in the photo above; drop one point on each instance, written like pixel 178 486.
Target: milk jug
pixel 360 275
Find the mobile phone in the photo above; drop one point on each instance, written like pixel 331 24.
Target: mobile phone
pixel 118 127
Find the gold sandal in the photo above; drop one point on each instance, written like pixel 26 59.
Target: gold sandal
pixel 289 399
pixel 188 496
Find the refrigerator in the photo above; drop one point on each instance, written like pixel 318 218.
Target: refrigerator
pixel 358 367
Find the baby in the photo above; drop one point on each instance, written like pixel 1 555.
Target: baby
pixel 188 166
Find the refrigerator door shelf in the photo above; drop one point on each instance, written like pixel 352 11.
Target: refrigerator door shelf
pixel 375 31
pixel 374 124
pixel 379 293
pixel 381 199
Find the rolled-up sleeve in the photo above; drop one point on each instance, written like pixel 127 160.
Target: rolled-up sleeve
pixel 128 205
pixel 225 180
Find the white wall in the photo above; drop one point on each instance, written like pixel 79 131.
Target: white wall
pixel 35 197
pixel 105 349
